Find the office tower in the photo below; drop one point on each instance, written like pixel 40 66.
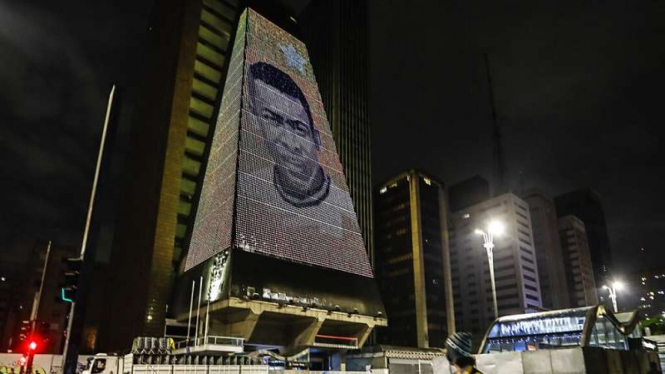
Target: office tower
pixel 547 245
pixel 515 267
pixel 649 288
pixel 585 204
pixel 468 192
pixel 577 262
pixel 412 260
pixel 276 246
pixel 186 65
pixel 335 33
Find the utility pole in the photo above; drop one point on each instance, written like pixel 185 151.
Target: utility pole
pixel 34 314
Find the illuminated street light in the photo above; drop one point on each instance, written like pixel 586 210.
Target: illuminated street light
pixel 493 228
pixel 616 286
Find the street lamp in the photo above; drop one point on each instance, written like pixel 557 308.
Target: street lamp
pixel 616 286
pixel 493 228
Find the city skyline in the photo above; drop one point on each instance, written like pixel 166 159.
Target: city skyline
pixel 592 124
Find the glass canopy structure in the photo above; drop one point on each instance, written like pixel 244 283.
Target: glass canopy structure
pixel 592 326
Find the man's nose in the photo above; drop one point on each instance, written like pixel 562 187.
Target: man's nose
pixel 292 139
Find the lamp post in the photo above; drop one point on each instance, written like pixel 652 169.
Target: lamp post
pixel 493 228
pixel 616 286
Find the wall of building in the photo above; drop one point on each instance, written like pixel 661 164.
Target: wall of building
pixel 582 288
pixel 547 245
pixel 411 258
pixel 516 272
pixel 335 33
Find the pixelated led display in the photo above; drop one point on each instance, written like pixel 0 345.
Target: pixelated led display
pixel 291 201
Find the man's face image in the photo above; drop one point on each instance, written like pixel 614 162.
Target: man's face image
pixel 286 126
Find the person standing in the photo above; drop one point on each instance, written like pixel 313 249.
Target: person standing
pixel 459 355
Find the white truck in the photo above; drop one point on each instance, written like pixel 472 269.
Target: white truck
pixel 135 364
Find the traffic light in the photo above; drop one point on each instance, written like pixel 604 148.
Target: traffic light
pixel 72 272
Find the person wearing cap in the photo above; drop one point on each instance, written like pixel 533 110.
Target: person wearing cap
pixel 458 353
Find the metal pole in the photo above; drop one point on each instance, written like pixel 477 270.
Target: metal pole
pixel 86 230
pixel 198 313
pixel 613 296
pixel 191 305
pixel 38 296
pixel 490 258
pixel 205 334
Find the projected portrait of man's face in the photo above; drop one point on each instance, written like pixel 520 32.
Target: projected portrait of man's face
pixel 288 129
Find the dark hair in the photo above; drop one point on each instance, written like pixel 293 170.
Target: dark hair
pixel 281 81
pixel 463 361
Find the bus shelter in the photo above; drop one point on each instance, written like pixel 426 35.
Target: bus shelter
pixel 593 326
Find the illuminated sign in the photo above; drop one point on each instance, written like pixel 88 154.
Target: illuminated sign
pixel 548 325
pixel 274 184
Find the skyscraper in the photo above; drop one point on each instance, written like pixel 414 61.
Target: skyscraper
pixel 547 244
pixel 412 260
pixel 186 64
pixel 515 266
pixel 586 205
pixel 335 33
pixel 577 262
pixel 275 224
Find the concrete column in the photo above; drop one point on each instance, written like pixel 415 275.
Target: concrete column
pixel 418 262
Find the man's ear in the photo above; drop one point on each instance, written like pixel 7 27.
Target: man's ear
pixel 317 138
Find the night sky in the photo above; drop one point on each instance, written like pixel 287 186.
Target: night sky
pixel 578 88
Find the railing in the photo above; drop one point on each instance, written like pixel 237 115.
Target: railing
pixel 211 340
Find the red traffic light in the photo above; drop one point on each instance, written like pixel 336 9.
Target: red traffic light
pixel 32 345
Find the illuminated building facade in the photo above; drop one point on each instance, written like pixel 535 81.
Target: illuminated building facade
pixel 515 264
pixel 577 262
pixel 335 33
pixel 276 241
pixel 547 244
pixel 412 260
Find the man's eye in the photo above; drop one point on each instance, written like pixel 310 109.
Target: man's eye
pixel 272 117
pixel 301 129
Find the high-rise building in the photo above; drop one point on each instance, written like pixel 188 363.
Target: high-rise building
pixel 585 204
pixel 412 260
pixel 649 289
pixel 515 264
pixel 335 33
pixel 547 244
pixel 276 241
pixel 468 192
pixel 577 262
pixel 186 66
